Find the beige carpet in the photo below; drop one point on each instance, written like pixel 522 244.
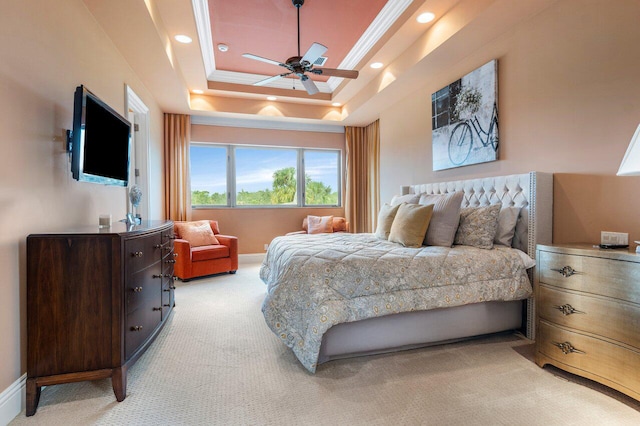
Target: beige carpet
pixel 217 363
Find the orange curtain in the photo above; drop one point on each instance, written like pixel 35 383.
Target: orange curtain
pixel 363 176
pixel 177 197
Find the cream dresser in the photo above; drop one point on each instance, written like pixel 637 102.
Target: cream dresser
pixel 588 313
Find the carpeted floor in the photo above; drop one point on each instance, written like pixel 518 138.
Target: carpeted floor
pixel 217 363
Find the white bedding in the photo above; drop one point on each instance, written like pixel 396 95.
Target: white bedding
pixel 317 281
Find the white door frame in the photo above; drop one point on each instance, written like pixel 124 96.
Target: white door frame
pixel 138 114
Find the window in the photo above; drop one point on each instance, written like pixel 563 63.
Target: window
pixel 237 176
pixel 208 175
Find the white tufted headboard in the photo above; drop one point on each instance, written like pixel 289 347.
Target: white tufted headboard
pixel 532 191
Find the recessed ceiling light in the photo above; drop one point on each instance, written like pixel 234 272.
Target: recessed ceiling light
pixel 377 65
pixel 198 91
pixel 183 38
pixel 336 104
pixel 272 98
pixel 222 47
pixel 423 18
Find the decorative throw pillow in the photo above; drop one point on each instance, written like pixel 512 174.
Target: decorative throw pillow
pixel 340 224
pixel 507 220
pixel 410 224
pixel 446 216
pixel 478 226
pixel 198 233
pixel 385 220
pixel 409 199
pixel 319 224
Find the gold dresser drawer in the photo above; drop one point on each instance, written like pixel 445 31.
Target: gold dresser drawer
pixel 605 362
pixel 615 319
pixel 588 313
pixel 607 277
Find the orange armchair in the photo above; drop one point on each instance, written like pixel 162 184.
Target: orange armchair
pixel 200 259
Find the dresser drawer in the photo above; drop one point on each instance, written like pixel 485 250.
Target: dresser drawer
pixel 596 357
pixel 139 325
pixel 612 318
pixel 142 252
pixel 143 288
pixel 606 277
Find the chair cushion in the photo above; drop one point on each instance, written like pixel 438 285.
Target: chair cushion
pixel 211 252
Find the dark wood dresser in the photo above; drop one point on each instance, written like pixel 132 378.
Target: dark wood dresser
pixel 96 299
pixel 588 313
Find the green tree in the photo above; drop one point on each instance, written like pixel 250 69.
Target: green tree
pixel 317 193
pixel 284 186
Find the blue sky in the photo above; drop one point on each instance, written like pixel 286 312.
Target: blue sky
pixel 255 167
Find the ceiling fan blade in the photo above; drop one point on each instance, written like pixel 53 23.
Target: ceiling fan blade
pixel 308 84
pixel 260 58
pixel 315 51
pixel 270 79
pixel 334 72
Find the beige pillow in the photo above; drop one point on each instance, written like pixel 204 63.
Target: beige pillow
pixel 507 221
pixel 198 233
pixel 410 224
pixel 408 198
pixel 385 220
pixel 446 215
pixel 478 226
pixel 319 224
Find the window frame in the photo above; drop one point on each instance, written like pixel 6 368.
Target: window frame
pixel 231 184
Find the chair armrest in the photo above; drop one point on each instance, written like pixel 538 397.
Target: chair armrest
pixel 182 248
pixel 232 243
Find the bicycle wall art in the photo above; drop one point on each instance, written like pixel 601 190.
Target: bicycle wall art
pixel 464 117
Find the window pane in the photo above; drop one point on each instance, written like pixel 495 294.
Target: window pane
pixel 208 175
pixel 265 176
pixel 321 177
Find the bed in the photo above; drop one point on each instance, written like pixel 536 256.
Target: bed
pixel 339 295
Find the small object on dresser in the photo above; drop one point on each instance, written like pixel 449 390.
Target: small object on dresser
pixel 638 246
pixel 104 221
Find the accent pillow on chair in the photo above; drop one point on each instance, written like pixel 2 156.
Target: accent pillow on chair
pixel 199 234
pixel 319 224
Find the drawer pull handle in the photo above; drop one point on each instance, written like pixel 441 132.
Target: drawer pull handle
pixel 566 272
pixel 567 349
pixel 170 261
pixel 136 254
pixel 175 254
pixel 136 328
pixel 567 309
pixel 137 289
pixel 157 309
pixel 157 246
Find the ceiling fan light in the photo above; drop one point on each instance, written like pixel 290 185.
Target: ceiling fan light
pixel 376 65
pixel 223 47
pixel 181 38
pixel 423 18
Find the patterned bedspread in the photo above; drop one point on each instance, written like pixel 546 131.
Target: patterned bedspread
pixel 317 281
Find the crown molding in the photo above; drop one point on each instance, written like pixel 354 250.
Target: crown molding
pixel 380 25
pixel 265 124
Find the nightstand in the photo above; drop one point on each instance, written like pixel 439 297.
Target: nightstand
pixel 588 313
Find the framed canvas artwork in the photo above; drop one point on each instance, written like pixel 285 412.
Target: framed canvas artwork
pixel 464 117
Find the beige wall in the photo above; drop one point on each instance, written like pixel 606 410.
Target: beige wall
pixel 569 99
pixel 47 49
pixel 256 227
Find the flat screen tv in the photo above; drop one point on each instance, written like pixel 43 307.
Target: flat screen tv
pixel 100 141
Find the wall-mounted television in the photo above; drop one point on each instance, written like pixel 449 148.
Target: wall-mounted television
pixel 100 141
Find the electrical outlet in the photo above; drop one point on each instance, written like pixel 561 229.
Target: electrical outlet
pixel 614 238
pixel 266 247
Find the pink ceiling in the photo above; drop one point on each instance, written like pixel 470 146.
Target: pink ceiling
pixel 268 28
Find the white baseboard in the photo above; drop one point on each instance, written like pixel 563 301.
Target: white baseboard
pixel 12 400
pixel 244 259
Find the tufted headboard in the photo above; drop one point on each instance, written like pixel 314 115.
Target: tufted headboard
pixel 532 191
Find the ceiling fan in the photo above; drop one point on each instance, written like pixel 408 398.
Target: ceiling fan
pixel 300 65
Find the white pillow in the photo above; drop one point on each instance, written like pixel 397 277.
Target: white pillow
pixel 446 215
